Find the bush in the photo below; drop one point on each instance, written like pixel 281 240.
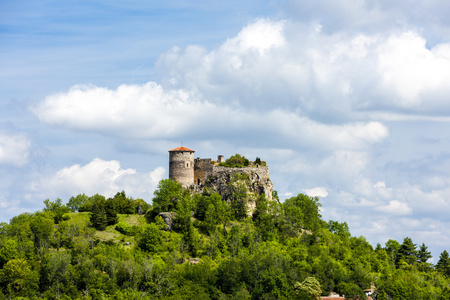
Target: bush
pixel 126 229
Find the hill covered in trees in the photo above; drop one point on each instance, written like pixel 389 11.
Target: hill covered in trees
pixel 122 248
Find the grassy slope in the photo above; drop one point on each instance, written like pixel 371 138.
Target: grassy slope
pixel 110 233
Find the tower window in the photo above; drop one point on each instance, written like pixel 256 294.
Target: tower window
pixel 187 165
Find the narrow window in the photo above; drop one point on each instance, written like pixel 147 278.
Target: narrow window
pixel 187 165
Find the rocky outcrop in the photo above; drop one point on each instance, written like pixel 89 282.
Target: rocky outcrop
pixel 168 219
pixel 225 180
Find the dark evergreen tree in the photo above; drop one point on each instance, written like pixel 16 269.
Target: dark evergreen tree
pixel 123 204
pixel 98 217
pixel 423 255
pixel 443 264
pixel 111 212
pixel 407 252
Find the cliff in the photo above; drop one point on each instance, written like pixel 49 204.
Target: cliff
pixel 250 181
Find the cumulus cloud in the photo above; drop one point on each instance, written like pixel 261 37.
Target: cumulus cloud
pixel 395 207
pixel 14 149
pixel 319 191
pixel 98 176
pixel 148 111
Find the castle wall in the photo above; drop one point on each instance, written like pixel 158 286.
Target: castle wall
pixel 202 166
pixel 181 167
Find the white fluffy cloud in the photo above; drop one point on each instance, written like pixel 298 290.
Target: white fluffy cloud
pixel 14 149
pixel 148 111
pixel 316 192
pixel 98 176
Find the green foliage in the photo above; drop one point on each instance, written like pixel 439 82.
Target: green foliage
pixel 302 211
pixel 443 264
pixel 308 289
pixel 214 251
pixel 126 229
pixel 76 202
pixel 166 196
pixel 151 238
pixel 104 213
pixel 236 161
pixel 56 209
pixel 237 195
pixel 123 204
pixel 407 252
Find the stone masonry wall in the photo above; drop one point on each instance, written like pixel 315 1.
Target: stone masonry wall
pixel 202 166
pixel 181 167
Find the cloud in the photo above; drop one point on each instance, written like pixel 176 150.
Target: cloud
pixel 149 111
pixel 316 192
pixel 14 149
pixel 395 207
pixel 98 176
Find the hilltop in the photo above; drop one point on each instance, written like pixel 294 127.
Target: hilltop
pixel 121 248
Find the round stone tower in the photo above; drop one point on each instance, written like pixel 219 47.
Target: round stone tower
pixel 181 165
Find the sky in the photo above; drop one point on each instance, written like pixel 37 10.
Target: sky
pixel 347 100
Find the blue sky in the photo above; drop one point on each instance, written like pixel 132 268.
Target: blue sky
pixel 346 100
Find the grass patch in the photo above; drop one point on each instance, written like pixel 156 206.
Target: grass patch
pixel 81 220
pixel 133 220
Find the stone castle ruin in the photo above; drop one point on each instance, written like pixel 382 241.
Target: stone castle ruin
pixel 199 174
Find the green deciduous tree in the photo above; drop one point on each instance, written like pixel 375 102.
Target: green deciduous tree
pixel 236 161
pixel 56 209
pixel 151 238
pixel 303 211
pixel 76 202
pixel 9 250
pixel 309 289
pixel 166 196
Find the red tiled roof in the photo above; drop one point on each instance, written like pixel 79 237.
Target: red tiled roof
pixel 181 149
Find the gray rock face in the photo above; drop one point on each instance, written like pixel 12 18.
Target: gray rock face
pixel 168 219
pixel 222 180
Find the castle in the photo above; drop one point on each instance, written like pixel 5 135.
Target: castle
pixel 200 173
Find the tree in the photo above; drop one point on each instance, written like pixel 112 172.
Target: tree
pixel 392 247
pixel 443 264
pixel 98 217
pixel 75 203
pixel 42 228
pixel 8 251
pixel 111 212
pixel 167 196
pixel 56 208
pixel 309 289
pixel 123 204
pixel 302 211
pixel 340 229
pixel 19 277
pixel 236 161
pixel 151 238
pixel 423 255
pixel 407 252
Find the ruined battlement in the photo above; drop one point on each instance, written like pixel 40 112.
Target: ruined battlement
pixel 204 173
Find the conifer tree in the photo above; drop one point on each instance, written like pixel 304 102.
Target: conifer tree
pixel 423 255
pixel 407 252
pixel 443 265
